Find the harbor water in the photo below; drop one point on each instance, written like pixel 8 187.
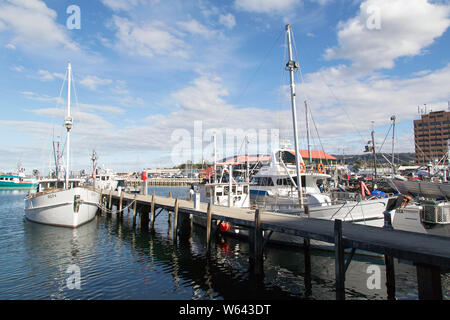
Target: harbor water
pixel 113 260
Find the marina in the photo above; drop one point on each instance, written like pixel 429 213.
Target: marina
pixel 118 261
pixel 173 166
pixel 429 254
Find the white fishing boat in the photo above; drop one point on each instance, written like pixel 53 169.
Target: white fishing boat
pixel 106 179
pixel 274 188
pixel 66 203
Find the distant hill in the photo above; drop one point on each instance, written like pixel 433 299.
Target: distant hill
pixel 400 158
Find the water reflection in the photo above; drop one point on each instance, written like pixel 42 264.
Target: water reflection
pixel 118 261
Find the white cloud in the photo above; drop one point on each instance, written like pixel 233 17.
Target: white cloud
pixel 32 24
pixel 44 75
pixel 18 68
pixel 93 82
pixel 385 30
pixel 343 104
pixel 194 27
pixel 227 20
pixel 120 5
pixel 267 6
pixel 153 38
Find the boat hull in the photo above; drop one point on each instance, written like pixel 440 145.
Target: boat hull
pixel 16 185
pixel 66 208
pixel 369 212
pixel 422 188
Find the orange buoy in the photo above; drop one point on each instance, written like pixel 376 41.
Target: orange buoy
pixel 224 227
pixel 321 168
pixel 303 167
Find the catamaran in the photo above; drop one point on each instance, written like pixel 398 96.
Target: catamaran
pixel 65 203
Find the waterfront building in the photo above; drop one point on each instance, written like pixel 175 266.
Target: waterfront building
pixel 431 136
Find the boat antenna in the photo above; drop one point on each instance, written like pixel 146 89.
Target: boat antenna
pixel 94 159
pixel 68 123
pixel 393 142
pixel 292 66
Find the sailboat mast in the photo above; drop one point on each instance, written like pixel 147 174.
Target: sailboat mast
pixel 292 66
pixel 393 141
pixel 215 160
pixel 374 152
pixel 307 133
pixel 68 124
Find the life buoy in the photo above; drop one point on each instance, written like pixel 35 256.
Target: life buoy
pixel 321 168
pixel 302 167
pixel 225 226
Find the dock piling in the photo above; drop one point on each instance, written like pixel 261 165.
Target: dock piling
pixel 339 260
pixel 258 245
pixel 152 213
pixel 208 228
pixel 134 210
pixel 307 258
pixel 175 221
pixel 429 282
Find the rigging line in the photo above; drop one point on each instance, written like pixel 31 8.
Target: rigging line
pixel 256 71
pixel 379 150
pixel 306 100
pixel 53 125
pixel 320 140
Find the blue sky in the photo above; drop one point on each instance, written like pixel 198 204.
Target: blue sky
pixel 146 70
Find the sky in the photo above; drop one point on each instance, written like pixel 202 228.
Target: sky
pixel 154 80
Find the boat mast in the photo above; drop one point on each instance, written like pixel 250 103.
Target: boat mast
pixel 373 151
pixel 307 133
pixel 247 169
pixel 68 124
pixel 393 140
pixel 292 66
pixel 94 159
pixel 215 160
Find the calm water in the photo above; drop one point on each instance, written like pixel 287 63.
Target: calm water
pixel 119 262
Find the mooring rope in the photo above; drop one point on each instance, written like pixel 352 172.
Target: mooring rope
pixel 105 209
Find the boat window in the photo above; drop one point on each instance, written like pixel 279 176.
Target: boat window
pixel 303 180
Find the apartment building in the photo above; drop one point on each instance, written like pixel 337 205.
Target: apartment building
pixel 431 135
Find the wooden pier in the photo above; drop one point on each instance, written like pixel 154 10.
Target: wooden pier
pixel 163 182
pixel 430 254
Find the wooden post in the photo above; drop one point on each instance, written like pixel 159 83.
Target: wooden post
pixel 388 259
pixel 175 222
pixel 144 218
pixel 119 213
pixel 390 276
pixel 258 245
pixel 184 226
pixel 307 257
pixel 110 200
pixel 208 228
pixel 339 260
pixel 152 212
pixel 134 210
pixel 429 282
